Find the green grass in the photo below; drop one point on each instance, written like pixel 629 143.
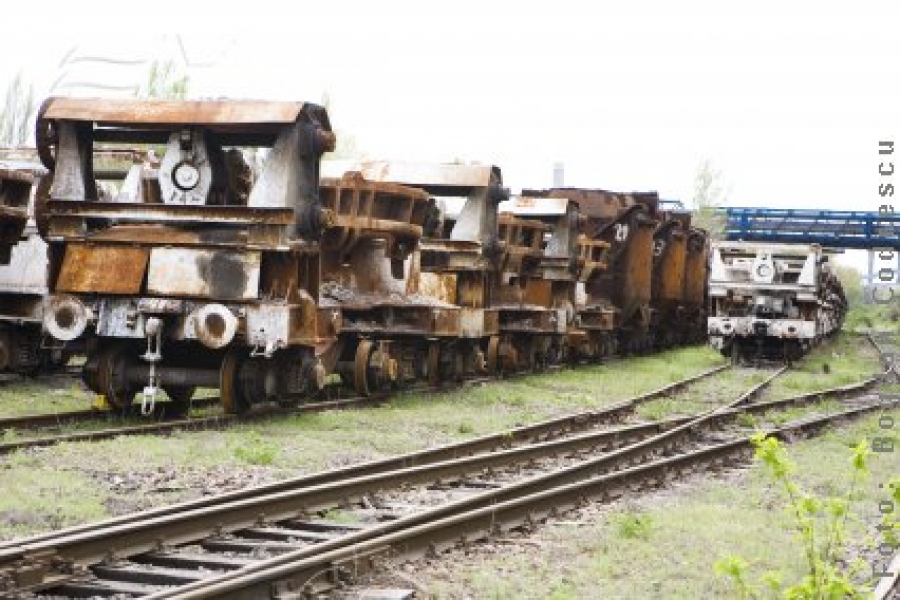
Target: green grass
pixel 37 498
pixel 873 317
pixel 278 448
pixel 840 360
pixel 704 395
pixel 43 395
pixel 254 450
pixel 664 545
pixel 777 418
pixel 633 526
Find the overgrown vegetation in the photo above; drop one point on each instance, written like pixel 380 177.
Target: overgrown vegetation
pixel 18 112
pixel 165 81
pixel 865 316
pixel 281 447
pixel 821 527
pixel 634 526
pixel 253 449
pixel 270 449
pixel 710 196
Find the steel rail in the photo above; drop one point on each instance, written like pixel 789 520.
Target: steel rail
pixel 472 518
pixel 41 420
pixel 547 429
pixel 578 443
pixel 558 446
pixel 198 423
pixel 186 527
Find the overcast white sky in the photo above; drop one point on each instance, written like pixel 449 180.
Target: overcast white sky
pixel 788 99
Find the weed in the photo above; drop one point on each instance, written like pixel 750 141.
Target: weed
pixel 748 420
pixel 254 450
pixel 465 428
pixel 338 515
pixel 658 409
pixel 821 524
pixel 634 526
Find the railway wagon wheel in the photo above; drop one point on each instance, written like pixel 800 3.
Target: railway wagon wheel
pixel 231 392
pixel 363 376
pixel 112 381
pixel 494 365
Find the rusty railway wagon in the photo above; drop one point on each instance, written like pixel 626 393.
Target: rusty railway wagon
pixel 490 266
pixel 15 191
pixel 613 303
pixel 680 273
pixel 226 258
pixel 642 273
pixel 197 272
pixel 391 333
pixel 23 277
pixel 771 300
pixel 569 261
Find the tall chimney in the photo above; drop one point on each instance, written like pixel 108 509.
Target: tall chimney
pixel 559 175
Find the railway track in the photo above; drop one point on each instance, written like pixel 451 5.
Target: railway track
pixel 57 419
pixel 888 352
pixel 158 427
pixel 162 425
pixel 238 544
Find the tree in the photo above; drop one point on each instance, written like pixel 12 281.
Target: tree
pixel 347 147
pixel 709 197
pixel 164 82
pixel 18 111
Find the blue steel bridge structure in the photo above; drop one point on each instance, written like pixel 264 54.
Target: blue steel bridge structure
pixel 876 232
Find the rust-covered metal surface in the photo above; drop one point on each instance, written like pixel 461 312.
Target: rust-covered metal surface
pixel 669 255
pixel 696 268
pixel 238 115
pixel 627 281
pixel 102 269
pixel 16 181
pixel 375 230
pixel 24 270
pixel 614 259
pixel 202 263
pixel 427 176
pixel 204 273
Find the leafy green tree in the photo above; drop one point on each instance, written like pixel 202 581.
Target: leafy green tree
pixel 165 82
pixel 18 112
pixel 710 196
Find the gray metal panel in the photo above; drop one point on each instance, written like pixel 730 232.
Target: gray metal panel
pixel 26 272
pixel 203 273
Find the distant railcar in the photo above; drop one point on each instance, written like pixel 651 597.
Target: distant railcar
pixel 620 228
pixel 16 181
pixel 23 280
pixel 771 300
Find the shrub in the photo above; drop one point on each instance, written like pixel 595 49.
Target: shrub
pixel 254 450
pixel 820 523
pixel 633 526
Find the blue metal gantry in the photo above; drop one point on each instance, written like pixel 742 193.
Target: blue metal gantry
pixel 828 228
pixel 872 231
